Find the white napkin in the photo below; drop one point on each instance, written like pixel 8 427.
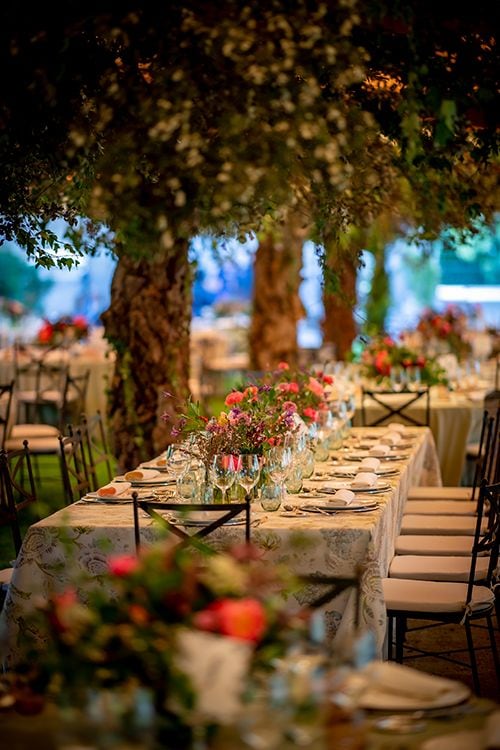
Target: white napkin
pixel 344 496
pixel 140 474
pixel 390 438
pixel 364 479
pixel 379 449
pixel 390 677
pixel 396 427
pixel 113 489
pixel 370 464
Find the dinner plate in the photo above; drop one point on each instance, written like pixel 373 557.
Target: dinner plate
pixel 153 482
pixel 376 699
pixel 126 497
pixel 463 740
pixel 351 471
pixel 200 522
pixel 340 484
pixel 354 507
pixel 153 465
pixel 387 457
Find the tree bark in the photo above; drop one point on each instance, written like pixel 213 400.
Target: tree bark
pixel 339 327
pixel 147 325
pixel 276 305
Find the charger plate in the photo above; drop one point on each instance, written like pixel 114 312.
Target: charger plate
pixel 376 699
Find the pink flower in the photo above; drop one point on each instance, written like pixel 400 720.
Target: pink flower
pixel 250 390
pixel 292 387
pixel 283 366
pixel 316 387
pixel 234 398
pixel 289 406
pixel 123 565
pixel 238 618
pixel 327 379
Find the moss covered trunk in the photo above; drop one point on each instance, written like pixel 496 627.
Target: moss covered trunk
pixel 148 324
pixel 276 305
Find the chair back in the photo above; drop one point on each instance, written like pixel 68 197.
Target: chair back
pixel 9 489
pixel 6 395
pixel 396 406
pixel 96 449
pixel 487 537
pixel 20 480
pixel 223 514
pixel 40 388
pixel 74 470
pixel 74 397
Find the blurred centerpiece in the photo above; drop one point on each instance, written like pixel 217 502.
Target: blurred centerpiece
pixel 64 331
pixel 189 625
pixel 445 332
pixel 384 359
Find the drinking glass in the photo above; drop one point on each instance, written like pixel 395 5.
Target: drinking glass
pixel 279 460
pixel 188 485
pixel 270 496
pixel 247 471
pixel 222 472
pixel 294 479
pixel 398 378
pixel 306 462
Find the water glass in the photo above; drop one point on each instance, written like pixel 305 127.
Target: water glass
pixel 270 496
pixel 188 485
pixel 306 462
pixel 294 480
pixel 223 472
pixel 247 471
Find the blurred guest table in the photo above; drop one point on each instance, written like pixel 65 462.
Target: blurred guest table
pixel 81 537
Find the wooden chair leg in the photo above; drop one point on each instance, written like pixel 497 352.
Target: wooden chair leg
pixel 400 638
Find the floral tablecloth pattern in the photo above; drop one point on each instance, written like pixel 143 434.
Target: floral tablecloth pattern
pixel 80 537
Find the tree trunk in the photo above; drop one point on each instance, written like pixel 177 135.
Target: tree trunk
pixel 339 327
pixel 276 305
pixel 147 325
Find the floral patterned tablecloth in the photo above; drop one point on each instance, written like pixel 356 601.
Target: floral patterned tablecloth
pixel 79 538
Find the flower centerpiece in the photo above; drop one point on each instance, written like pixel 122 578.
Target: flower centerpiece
pixel 64 330
pixel 259 414
pixel 188 623
pixel 383 354
pixel 445 331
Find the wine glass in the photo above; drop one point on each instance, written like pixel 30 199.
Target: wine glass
pixel 247 471
pixel 222 472
pixel 177 464
pixel 278 461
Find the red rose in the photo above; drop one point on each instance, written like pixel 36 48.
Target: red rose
pixel 283 366
pixel 123 565
pixel 234 398
pixel 238 618
pixel 310 413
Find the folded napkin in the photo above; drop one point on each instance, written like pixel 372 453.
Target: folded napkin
pixel 364 479
pixel 139 474
pixel 379 449
pixel 396 427
pixel 390 438
pixel 369 464
pixel 113 489
pixel 389 677
pixel 343 497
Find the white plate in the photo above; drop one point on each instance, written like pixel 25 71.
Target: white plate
pixel 350 471
pixel 203 521
pixel 152 482
pixel 342 484
pixel 354 507
pixel 387 457
pixel 378 700
pixel 152 465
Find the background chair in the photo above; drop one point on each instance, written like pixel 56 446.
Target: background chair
pixel 74 471
pixel 226 511
pixel 17 492
pixel 396 406
pixel 101 463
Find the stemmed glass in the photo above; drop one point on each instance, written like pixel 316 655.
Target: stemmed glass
pixel 247 471
pixel 279 460
pixel 177 463
pixel 223 472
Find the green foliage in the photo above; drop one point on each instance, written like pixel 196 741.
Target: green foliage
pixel 20 281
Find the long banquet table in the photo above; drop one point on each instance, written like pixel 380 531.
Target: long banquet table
pixel 79 538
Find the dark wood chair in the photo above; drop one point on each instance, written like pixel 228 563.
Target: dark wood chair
pixel 74 470
pixel 397 410
pixel 155 510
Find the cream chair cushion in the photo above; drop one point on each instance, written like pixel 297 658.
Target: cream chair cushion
pixel 35 445
pixel 27 431
pixel 441 525
pixel 437 568
pixel 440 493
pixel 441 507
pixel 422 544
pixel 433 596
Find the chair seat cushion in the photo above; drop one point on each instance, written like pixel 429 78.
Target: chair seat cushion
pixel 472 450
pixel 433 544
pixel 407 595
pixel 35 445
pixel 440 493
pixel 437 568
pixel 441 525
pixel 47 397
pixel 27 431
pixel 440 507
pixel 6 575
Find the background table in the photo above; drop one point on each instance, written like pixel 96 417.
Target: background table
pixel 79 538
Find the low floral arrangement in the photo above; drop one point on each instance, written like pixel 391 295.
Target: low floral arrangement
pixel 66 329
pixel 156 619
pixel 259 414
pixel 448 327
pixel 383 354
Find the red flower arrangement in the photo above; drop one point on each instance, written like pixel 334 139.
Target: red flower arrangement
pixel 448 326
pixel 384 353
pixel 66 329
